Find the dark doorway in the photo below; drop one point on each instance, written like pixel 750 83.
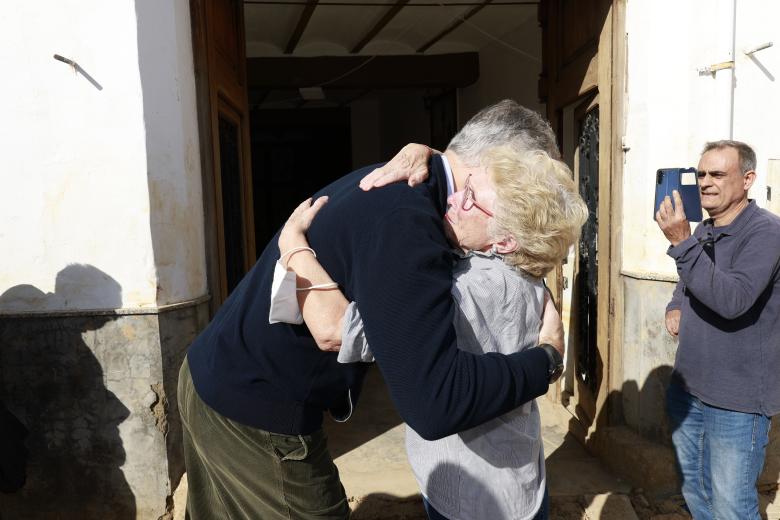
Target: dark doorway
pixel 444 119
pixel 294 153
pixel 232 213
pixel 587 269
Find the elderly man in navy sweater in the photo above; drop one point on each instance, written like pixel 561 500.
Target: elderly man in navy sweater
pixel 726 312
pixel 252 394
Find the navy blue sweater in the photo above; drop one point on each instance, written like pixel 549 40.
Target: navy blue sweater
pixel 387 250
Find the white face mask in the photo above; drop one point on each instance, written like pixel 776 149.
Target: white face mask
pixel 284 292
pixel 284 299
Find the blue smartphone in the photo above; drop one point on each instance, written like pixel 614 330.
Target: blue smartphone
pixel 686 182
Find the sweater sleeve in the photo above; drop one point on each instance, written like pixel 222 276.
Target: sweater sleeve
pixel 730 291
pixel 407 311
pixel 677 295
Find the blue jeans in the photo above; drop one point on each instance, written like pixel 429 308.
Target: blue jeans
pixel 542 514
pixel 720 455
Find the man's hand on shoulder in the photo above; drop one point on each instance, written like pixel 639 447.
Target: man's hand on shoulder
pixel 673 322
pixel 672 219
pixel 410 164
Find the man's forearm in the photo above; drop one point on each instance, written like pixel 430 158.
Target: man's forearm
pixel 731 291
pixel 322 309
pixel 408 312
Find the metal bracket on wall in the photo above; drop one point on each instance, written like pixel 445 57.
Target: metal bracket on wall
pixel 749 52
pixel 712 69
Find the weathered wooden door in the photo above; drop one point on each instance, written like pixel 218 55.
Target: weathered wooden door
pixel 576 85
pixel 220 70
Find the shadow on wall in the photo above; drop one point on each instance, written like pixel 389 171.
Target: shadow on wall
pixel 54 383
pixel 635 442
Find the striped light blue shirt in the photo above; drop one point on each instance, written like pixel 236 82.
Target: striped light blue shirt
pixel 495 470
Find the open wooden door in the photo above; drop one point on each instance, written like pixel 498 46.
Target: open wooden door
pixel 223 114
pixel 576 84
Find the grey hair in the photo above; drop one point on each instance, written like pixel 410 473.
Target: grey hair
pixel 747 157
pixel 506 123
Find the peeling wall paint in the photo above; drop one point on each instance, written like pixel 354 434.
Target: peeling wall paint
pixel 173 155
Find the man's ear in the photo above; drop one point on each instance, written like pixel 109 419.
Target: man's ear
pixel 749 179
pixel 506 245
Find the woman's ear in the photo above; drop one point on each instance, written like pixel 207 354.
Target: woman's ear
pixel 506 245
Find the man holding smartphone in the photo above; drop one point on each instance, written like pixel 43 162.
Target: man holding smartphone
pixel 726 312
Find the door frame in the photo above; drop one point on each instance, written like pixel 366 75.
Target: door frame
pixel 221 92
pixel 599 70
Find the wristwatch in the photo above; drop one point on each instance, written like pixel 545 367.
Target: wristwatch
pixel 555 367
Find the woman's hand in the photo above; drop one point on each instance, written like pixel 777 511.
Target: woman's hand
pixel 294 231
pixel 410 164
pixel 552 326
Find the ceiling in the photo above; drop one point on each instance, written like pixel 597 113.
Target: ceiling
pixel 297 28
pixel 292 34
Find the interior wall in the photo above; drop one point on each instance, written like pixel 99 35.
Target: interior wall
pixel 366 139
pixel 385 122
pixel 506 71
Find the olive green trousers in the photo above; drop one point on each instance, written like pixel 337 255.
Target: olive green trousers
pixel 238 472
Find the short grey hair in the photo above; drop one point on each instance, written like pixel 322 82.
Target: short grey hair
pixel 506 123
pixel 747 157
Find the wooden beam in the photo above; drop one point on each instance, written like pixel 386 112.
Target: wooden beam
pixel 364 72
pixel 303 21
pixel 389 15
pixel 454 25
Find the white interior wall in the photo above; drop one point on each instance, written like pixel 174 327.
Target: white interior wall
pixel 385 122
pixel 506 70
pixel 76 160
pixel 672 110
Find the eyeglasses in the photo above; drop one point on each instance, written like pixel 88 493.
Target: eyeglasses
pixel 469 199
